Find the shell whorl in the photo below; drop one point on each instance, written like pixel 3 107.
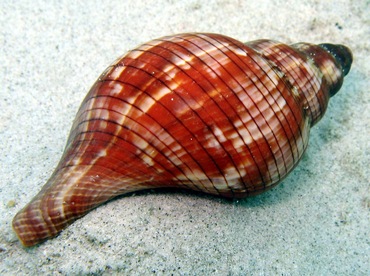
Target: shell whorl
pixel 197 111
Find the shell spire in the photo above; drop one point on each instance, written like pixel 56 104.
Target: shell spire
pixel 196 111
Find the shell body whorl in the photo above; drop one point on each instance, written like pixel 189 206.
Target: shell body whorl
pixel 198 111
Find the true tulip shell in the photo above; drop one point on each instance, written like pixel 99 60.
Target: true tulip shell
pixel 198 111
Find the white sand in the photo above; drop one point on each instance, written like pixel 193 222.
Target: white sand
pixel 315 223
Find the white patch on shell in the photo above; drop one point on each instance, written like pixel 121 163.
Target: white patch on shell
pixel 163 91
pixel 141 144
pixel 210 72
pixel 73 178
pixel 314 76
pixel 246 139
pixel 197 175
pixel 231 173
pixel 236 184
pixel 171 73
pixel 331 70
pixel 176 147
pixel 218 132
pixel 103 118
pixel 177 160
pixel 165 138
pixel 239 51
pixel 180 62
pixel 76 161
pixel 183 61
pixel 147 159
pixel 279 105
pixel 146 104
pixel 211 142
pixel 117 72
pixel 233 134
pixel 102 153
pixel 273 171
pixel 220 184
pixel 116 88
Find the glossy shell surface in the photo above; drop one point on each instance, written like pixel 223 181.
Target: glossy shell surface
pixel 197 111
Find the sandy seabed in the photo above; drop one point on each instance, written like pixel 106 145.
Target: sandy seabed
pixel 315 223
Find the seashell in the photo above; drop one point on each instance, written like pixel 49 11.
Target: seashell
pixel 198 111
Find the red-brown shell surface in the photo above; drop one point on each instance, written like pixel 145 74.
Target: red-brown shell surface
pixel 198 111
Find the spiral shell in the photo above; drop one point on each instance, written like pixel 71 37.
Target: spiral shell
pixel 197 111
